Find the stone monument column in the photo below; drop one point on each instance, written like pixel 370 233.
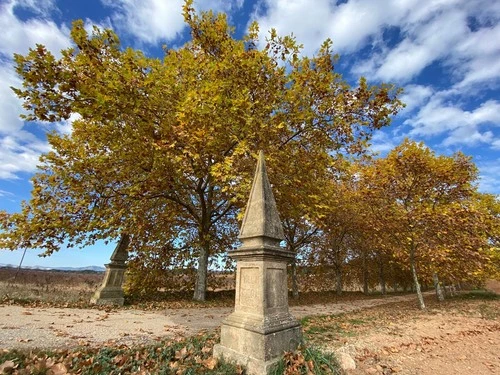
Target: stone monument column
pixel 111 291
pixel 261 328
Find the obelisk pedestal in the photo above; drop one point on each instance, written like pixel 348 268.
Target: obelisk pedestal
pixel 261 327
pixel 111 290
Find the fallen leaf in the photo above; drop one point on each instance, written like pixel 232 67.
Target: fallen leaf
pixel 58 369
pixel 7 366
pixel 180 354
pixel 210 363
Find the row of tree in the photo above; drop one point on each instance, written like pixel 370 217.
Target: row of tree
pixel 411 214
pixel 163 151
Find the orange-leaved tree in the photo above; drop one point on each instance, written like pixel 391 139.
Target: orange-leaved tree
pixel 422 211
pixel 179 135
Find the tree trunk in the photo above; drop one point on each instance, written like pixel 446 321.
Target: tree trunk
pixel 453 289
pixel 437 286
pixel 338 277
pixel 365 274
pixel 381 276
pixel 415 279
pixel 201 274
pixel 295 284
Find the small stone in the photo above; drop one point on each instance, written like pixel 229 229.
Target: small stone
pixel 346 362
pixel 396 369
pixel 379 368
pixel 371 370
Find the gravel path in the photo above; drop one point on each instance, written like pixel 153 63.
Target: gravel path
pixel 25 327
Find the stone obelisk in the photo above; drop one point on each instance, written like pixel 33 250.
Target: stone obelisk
pixel 261 328
pixel 111 289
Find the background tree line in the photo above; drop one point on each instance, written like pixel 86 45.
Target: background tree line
pixel 163 151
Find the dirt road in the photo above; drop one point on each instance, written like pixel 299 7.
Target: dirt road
pixel 24 327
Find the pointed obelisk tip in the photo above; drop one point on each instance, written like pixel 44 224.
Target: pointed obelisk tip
pixel 261 215
pixel 261 159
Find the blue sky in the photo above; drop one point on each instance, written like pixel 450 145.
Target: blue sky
pixel 444 53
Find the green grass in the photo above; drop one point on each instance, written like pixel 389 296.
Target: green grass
pixel 187 356
pixel 331 326
pixel 307 360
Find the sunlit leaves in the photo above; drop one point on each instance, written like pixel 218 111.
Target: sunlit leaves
pixel 164 150
pixel 425 211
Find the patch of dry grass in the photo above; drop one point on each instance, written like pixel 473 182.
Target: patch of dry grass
pixel 51 287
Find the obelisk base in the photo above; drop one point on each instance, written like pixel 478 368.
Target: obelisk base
pixel 257 351
pixel 111 292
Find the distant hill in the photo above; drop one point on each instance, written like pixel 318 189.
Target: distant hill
pixel 68 269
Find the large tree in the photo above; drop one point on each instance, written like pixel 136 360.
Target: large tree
pixel 178 136
pixel 423 210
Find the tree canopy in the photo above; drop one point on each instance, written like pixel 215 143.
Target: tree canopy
pixel 424 211
pixel 163 150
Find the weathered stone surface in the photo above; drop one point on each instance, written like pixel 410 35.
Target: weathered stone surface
pixel 120 254
pixel 346 362
pixel 111 289
pixel 261 216
pixel 256 351
pixel 261 327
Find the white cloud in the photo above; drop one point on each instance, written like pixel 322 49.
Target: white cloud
pixel 10 106
pixel 469 136
pixel 424 44
pixel 456 33
pixel 66 126
pixel 309 23
pixel 414 96
pixel 4 193
pixel 18 36
pixel 351 25
pixel 20 149
pixel 155 21
pixel 40 7
pixel 149 20
pixel 458 125
pixel 481 71
pixel 18 156
pixel 89 25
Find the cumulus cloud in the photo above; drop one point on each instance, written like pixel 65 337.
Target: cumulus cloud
pixel 18 36
pixel 40 7
pixel 10 106
pixel 19 156
pixel 156 21
pixel 458 125
pixel 428 31
pixel 150 21
pixel 424 44
pixel 351 25
pixel 414 96
pixel 20 148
